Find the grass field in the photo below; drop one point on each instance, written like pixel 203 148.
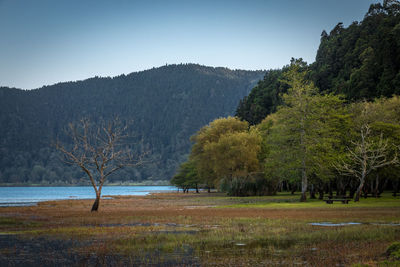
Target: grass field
pixel 201 230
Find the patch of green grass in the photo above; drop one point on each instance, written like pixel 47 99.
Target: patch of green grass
pixel 252 235
pixel 5 221
pixel 387 263
pixel 288 201
pixel 8 222
pixel 229 237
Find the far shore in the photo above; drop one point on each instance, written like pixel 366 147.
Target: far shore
pixel 156 183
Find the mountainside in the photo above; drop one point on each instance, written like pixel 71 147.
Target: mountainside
pixel 361 61
pixel 166 106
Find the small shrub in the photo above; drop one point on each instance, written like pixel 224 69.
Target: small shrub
pixel 394 250
pixel 387 263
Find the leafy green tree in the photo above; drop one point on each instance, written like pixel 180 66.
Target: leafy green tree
pixel 264 98
pixel 210 134
pixel 373 145
pixel 384 121
pixel 187 177
pixel 234 156
pixel 366 156
pixel 224 152
pixel 303 131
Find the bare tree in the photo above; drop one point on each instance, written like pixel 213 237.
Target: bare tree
pixel 365 156
pixel 99 150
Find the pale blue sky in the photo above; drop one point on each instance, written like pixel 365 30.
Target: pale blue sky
pixel 48 41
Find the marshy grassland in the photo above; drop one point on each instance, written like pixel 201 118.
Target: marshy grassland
pixel 175 229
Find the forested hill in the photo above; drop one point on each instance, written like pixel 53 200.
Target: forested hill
pixel 361 61
pixel 166 106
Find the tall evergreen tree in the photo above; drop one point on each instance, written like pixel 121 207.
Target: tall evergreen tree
pixel 302 134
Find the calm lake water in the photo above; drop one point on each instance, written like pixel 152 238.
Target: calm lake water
pixel 24 196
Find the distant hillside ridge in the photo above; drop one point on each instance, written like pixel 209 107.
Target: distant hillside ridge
pixel 166 105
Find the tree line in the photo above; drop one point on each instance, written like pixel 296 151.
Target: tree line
pixel 314 142
pixel 359 62
pixel 332 125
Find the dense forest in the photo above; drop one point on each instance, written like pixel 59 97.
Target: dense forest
pixel 162 107
pixel 361 61
pixel 333 125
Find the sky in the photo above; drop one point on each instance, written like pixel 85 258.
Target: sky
pixel 43 42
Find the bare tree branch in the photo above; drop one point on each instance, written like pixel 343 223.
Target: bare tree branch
pixel 365 156
pixel 99 151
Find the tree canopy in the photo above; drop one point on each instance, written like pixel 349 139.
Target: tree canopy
pixel 359 62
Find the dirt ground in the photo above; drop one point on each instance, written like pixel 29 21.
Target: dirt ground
pixel 66 233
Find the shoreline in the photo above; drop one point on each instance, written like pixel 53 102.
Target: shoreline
pixel 31 196
pixel 88 185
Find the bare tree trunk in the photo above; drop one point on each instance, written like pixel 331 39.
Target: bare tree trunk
pixel 395 185
pixel 312 192
pixel 363 172
pixel 303 197
pixel 358 192
pixel 293 188
pixel 360 187
pixel 330 191
pixel 96 203
pixel 382 187
pixel 341 188
pixel 98 149
pixel 376 188
pixel 321 193
pixel 353 189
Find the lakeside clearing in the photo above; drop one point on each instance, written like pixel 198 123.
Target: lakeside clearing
pixel 175 229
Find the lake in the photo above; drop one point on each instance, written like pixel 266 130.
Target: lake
pixel 27 196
